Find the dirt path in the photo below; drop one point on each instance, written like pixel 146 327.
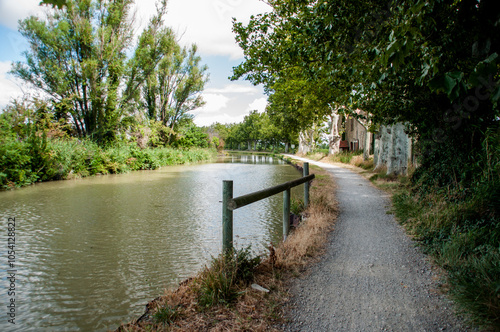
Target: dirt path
pixel 372 277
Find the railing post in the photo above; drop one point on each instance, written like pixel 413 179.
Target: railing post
pixel 227 216
pixel 286 213
pixel 305 172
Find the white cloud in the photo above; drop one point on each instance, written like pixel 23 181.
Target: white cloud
pixel 10 87
pixel 224 118
pixel 206 23
pixel 214 103
pixel 242 88
pixel 258 104
pixel 228 107
pixel 12 11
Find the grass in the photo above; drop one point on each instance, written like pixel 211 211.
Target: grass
pixel 296 206
pixel 464 245
pixel 220 282
pixel 220 297
pixel 316 155
pixel 165 315
pixel 354 158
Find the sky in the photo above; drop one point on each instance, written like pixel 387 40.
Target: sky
pixel 207 23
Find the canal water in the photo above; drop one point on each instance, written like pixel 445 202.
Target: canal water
pixel 90 253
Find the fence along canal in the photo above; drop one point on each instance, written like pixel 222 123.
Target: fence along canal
pixel 229 204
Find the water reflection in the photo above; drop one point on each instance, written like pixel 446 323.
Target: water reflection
pixel 92 252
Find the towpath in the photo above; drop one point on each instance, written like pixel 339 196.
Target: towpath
pixel 372 277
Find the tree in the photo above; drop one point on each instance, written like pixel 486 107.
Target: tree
pixel 54 3
pixel 171 78
pixel 78 58
pixel 218 134
pixel 387 59
pixel 250 129
pixel 190 135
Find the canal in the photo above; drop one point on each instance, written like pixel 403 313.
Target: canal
pixel 90 253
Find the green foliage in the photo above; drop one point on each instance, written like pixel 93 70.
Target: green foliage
pixel 475 285
pixel 189 136
pixel 215 142
pixel 41 159
pixel 159 133
pixel 78 56
pixel 344 156
pixel 257 130
pixel 171 78
pixel 220 282
pixel 464 243
pixel 35 146
pixel 386 59
pixel 54 3
pixel 15 164
pixel 166 315
pixel 297 206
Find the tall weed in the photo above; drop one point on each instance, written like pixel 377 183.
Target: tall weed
pixel 220 282
pixel 344 157
pixel 38 158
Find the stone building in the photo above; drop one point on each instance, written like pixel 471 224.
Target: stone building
pixel 355 134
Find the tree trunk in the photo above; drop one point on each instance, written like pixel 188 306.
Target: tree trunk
pixel 376 148
pixel 392 149
pixel 383 147
pixel 313 144
pixel 366 148
pixel 304 147
pixel 334 137
pixel 398 161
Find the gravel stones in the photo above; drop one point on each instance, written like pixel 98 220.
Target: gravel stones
pixel 372 277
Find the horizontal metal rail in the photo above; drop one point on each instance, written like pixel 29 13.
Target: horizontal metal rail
pixel 229 204
pixel 241 201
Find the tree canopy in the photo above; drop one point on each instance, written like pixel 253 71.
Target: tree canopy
pixel 430 64
pixel 78 58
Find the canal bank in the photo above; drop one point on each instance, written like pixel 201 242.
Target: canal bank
pixel 64 159
pixel 260 300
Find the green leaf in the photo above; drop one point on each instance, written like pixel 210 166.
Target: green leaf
pixel 484 69
pixel 491 58
pixel 448 83
pixel 55 3
pixel 496 94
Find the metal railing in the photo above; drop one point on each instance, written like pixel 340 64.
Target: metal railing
pixel 229 204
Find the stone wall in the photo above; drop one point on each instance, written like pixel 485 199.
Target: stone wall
pixel 393 149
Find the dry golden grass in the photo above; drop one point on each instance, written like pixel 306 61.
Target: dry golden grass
pixel 253 310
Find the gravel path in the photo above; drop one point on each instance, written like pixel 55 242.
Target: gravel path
pixel 372 277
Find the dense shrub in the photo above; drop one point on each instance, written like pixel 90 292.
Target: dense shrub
pixel 15 164
pixel 38 158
